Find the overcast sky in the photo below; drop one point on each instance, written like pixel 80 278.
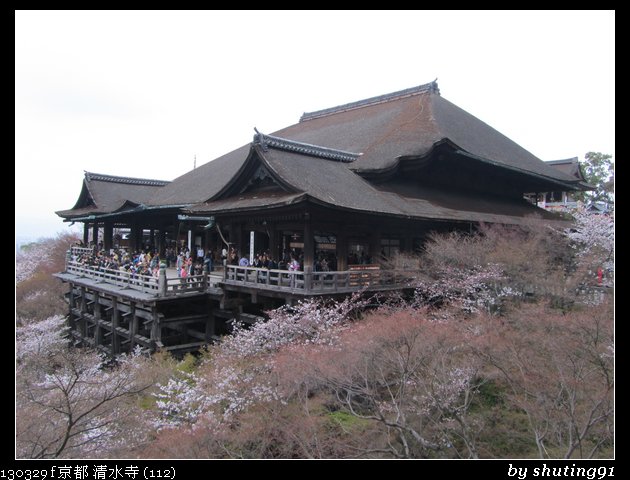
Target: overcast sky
pixel 141 93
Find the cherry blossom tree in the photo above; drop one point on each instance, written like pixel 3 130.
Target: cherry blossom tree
pixel 593 239
pixel 560 372
pixel 413 377
pixel 71 403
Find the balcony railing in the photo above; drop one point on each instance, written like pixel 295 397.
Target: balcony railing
pixel 369 278
pixel 160 286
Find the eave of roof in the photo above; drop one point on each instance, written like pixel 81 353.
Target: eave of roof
pixel 246 203
pixel 568 184
pixel 138 209
pixel 104 194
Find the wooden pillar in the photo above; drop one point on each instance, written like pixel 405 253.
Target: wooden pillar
pixel 274 249
pixel 98 337
pixel 108 235
pixel 210 324
pixel 133 327
pixel 132 237
pixel 206 240
pixel 156 328
pixel 71 304
pixel 162 285
pixel 86 233
pixel 237 238
pixel 342 250
pixel 95 233
pixel 115 347
pixel 83 320
pixel 309 243
pixel 375 246
pixel 152 238
pixel 135 238
pixel 162 241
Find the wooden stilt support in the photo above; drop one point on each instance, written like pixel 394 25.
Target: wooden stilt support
pixel 156 328
pixel 98 340
pixel 133 327
pixel 210 326
pixel 115 346
pixel 83 319
pixel 71 305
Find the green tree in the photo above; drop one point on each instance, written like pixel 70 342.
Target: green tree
pixel 599 171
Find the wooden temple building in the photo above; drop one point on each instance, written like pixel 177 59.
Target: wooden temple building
pixel 347 185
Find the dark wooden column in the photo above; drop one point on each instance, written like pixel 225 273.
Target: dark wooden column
pixel 98 338
pixel 156 328
pixel 236 237
pixel 135 237
pixel 152 238
pixel 86 233
pixel 115 347
pixel 210 323
pixel 95 233
pixel 108 235
pixel 309 243
pixel 342 250
pixel 83 328
pixel 162 241
pixel 375 245
pixel 207 236
pixel 273 242
pixel 133 327
pixel 71 305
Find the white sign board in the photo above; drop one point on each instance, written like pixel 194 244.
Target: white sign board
pixel 251 247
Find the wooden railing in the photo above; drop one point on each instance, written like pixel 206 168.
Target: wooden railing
pixel 192 283
pixel 143 283
pixel 161 286
pixel 318 282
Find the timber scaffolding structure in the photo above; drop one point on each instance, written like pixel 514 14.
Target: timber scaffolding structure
pixel 115 311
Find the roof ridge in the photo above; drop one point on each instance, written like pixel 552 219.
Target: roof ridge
pixel 564 160
pixel 89 176
pixel 269 141
pixel 431 87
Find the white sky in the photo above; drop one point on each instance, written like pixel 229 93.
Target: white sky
pixel 140 93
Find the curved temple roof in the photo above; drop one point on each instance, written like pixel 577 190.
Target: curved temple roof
pixel 108 193
pixel 326 154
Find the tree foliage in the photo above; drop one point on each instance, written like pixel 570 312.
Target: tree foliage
pixel 599 171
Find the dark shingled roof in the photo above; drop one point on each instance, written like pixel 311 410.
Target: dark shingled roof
pixel 331 183
pixel 409 123
pixel 247 202
pixel 203 182
pixel 323 157
pixel 107 193
pixel 569 166
pixel 374 133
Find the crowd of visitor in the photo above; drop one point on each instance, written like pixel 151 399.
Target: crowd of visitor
pixel 187 263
